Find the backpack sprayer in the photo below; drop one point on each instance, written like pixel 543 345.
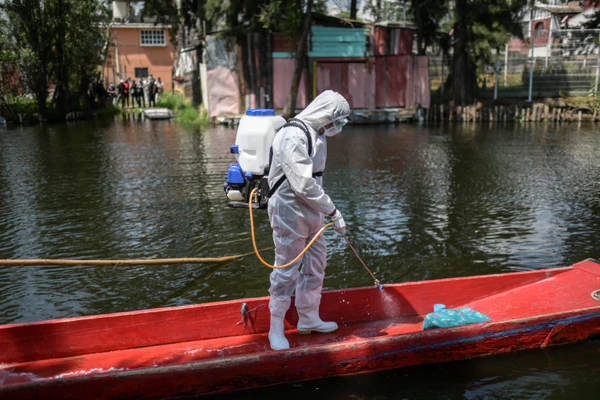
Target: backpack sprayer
pixel 247 178
pixel 252 148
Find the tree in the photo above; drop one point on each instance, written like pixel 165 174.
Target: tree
pixel 236 20
pixel 59 42
pixel 478 28
pixel 428 16
pixel 32 31
pixel 384 10
pixel 10 82
pixel 348 8
pixel 295 24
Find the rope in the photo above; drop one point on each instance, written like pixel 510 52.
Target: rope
pixel 266 264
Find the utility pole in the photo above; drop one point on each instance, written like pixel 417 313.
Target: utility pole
pixel 531 37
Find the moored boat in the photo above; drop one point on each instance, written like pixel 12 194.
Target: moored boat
pixel 159 113
pixel 223 346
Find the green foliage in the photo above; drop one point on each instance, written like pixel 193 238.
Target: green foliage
pixel 12 106
pixel 271 17
pixel 109 109
pixel 387 10
pixel 188 115
pixel 428 16
pixel 478 28
pixel 59 42
pixel 8 48
pixel 173 102
pixel 186 112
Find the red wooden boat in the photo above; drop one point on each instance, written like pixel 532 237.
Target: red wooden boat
pixel 223 346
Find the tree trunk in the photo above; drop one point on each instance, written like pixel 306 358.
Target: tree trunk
pixel 290 104
pixel 262 40
pixel 196 84
pixel 62 77
pixel 240 54
pixel 269 71
pixel 353 9
pixel 253 74
pixel 419 23
pixel 42 89
pixel 463 71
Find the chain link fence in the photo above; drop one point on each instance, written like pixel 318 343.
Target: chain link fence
pixel 565 63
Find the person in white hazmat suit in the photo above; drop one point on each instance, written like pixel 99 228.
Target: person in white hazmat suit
pixel 296 210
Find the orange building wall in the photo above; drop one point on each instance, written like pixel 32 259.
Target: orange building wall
pixel 158 59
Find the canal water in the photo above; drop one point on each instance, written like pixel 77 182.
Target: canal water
pixel 420 202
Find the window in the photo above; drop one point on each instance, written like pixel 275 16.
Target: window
pixel 539 29
pixel 152 38
pixel 141 72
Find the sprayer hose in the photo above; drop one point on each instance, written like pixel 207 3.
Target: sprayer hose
pixel 266 264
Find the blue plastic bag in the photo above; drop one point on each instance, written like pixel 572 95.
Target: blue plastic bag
pixel 446 317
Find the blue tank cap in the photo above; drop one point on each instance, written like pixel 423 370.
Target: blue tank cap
pixel 234 149
pixel 261 112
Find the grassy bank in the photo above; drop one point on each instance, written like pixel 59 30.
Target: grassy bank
pixel 25 110
pixel 186 113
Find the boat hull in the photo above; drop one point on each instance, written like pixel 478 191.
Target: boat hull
pixel 159 353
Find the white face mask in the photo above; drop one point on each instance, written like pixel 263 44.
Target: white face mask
pixel 336 128
pixel 331 131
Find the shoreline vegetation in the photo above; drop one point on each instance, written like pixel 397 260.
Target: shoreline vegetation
pixel 25 111
pixel 564 109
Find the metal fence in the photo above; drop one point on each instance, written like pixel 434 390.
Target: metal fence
pixel 565 62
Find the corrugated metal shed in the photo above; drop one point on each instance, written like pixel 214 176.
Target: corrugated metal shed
pixel 338 42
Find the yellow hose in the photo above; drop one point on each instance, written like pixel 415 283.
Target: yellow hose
pixel 37 262
pixel 100 263
pixel 266 264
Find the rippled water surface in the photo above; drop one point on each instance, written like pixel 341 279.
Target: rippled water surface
pixel 420 202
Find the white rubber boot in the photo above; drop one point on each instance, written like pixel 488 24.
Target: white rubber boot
pixel 309 321
pixel 277 339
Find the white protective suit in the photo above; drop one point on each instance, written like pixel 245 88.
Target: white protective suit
pixel 296 212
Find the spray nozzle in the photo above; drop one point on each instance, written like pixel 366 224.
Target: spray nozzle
pixel 378 285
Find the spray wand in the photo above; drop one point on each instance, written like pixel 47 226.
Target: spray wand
pixel 377 284
pixel 252 196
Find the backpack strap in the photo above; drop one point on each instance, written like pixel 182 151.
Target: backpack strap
pixel 302 126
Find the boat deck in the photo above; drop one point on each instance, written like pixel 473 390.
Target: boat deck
pixel 381 328
pixel 201 350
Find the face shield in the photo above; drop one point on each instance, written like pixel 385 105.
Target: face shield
pixel 336 128
pixel 339 124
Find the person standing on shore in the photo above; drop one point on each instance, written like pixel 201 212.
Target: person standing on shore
pixel 159 89
pixel 127 86
pixel 151 90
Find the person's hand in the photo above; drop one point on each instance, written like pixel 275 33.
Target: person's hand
pixel 338 222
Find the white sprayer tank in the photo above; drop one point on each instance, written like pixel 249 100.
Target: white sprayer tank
pixel 254 138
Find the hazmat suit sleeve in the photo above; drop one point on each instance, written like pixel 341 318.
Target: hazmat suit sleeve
pixel 298 168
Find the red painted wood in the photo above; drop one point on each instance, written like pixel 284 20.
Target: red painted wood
pixel 347 78
pixel 202 348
